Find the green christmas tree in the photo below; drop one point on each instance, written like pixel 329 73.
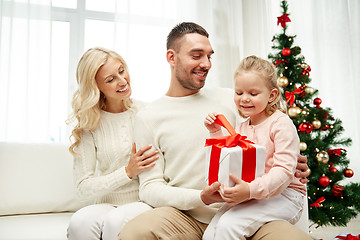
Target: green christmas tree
pixel 330 201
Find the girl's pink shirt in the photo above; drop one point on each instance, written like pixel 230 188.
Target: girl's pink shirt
pixel 279 135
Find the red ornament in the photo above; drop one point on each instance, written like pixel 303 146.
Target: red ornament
pixel 338 190
pixel 348 173
pixel 333 169
pixel 326 127
pixel 305 127
pixel 317 102
pixel 324 181
pixel 286 52
pixel 306 71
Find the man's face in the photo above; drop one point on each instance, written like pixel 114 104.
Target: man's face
pixel 192 61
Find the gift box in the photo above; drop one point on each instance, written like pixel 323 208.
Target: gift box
pixel 233 154
pixel 346 236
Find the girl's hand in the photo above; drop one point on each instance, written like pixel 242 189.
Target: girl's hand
pixel 210 123
pixel 237 194
pixel 141 160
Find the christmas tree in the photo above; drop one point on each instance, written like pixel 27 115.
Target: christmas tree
pixel 331 202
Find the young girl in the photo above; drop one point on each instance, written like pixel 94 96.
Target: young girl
pixel 106 163
pixel 277 195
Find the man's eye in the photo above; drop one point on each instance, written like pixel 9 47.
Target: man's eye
pixel 196 57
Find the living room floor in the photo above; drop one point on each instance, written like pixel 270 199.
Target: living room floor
pixel 330 232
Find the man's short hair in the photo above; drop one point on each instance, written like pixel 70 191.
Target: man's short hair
pixel 182 29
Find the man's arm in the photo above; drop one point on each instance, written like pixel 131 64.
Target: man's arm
pixel 154 189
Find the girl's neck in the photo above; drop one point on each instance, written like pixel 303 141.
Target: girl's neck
pixel 259 118
pixel 115 107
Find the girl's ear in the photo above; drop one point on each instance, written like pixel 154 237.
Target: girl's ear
pixel 273 94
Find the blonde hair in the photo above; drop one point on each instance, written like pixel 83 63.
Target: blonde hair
pixel 268 72
pixel 88 101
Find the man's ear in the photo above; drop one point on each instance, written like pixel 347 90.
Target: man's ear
pixel 170 56
pixel 273 94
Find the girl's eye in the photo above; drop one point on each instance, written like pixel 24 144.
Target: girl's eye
pixel 238 93
pixel 253 94
pixel 109 80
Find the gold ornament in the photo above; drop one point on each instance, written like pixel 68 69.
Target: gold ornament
pixel 309 90
pixel 322 156
pixel 303 146
pixel 304 65
pixel 316 124
pixel 305 112
pixel 283 81
pixel 294 111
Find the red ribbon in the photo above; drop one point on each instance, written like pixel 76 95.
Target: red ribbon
pixel 336 152
pixel 317 202
pixel 349 237
pixel 277 62
pixel 283 19
pixel 235 139
pixel 290 96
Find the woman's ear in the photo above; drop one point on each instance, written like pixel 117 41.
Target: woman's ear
pixel 170 56
pixel 273 94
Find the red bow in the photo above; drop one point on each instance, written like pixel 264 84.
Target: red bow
pixel 277 62
pixel 349 237
pixel 317 202
pixel 336 152
pixel 233 140
pixel 283 19
pixel 290 96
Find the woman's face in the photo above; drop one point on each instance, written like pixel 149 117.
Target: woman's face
pixel 113 81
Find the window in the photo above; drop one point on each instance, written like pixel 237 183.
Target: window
pixel 41 42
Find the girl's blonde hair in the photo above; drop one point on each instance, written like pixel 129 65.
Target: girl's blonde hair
pixel 268 72
pixel 88 101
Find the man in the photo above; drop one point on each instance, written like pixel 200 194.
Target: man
pixel 176 185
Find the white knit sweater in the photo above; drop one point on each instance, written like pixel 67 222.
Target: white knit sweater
pixel 99 168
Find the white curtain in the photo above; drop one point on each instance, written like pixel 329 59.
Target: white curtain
pixel 36 86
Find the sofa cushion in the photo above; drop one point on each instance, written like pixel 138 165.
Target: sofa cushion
pixel 35 227
pixel 36 178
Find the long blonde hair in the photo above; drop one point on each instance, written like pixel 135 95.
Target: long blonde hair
pixel 268 72
pixel 88 101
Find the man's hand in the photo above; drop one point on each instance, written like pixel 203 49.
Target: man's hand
pixel 237 194
pixel 302 169
pixel 210 194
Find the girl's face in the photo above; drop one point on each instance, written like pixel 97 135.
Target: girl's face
pixel 252 95
pixel 113 81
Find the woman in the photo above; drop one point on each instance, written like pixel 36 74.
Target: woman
pixel 106 163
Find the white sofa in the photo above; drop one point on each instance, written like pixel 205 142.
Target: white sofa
pixel 37 196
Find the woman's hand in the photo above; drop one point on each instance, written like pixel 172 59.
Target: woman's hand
pixel 210 123
pixel 141 160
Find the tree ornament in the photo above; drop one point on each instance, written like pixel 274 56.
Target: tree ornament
pixel 294 111
pixel 316 124
pixel 337 190
pixel 348 173
pixel 317 102
pixel 309 90
pixel 333 169
pixel 286 52
pixel 305 127
pixel 322 156
pixel 306 69
pixel 283 81
pixel 324 181
pixel 303 146
pixel 326 127
pixel 283 19
pixel 305 112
